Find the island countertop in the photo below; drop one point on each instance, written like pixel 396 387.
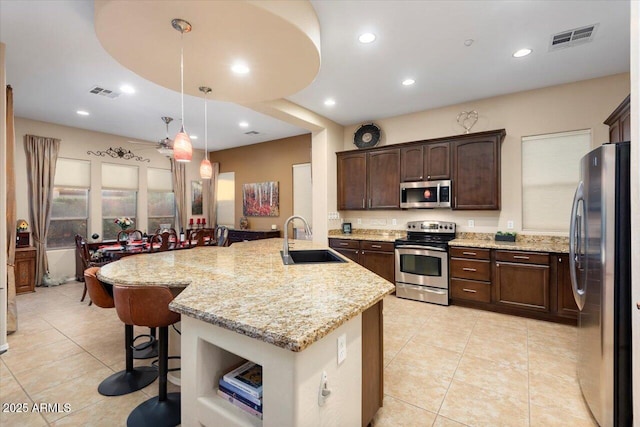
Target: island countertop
pixel 246 288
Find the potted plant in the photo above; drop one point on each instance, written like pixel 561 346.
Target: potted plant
pixel 507 236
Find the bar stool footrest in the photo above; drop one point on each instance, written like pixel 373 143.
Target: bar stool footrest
pixel 156 413
pixel 124 382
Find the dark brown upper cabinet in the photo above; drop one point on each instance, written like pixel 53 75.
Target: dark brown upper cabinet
pixel 425 162
pixel 619 122
pixel 352 180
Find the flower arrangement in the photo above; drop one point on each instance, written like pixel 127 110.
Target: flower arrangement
pixel 124 222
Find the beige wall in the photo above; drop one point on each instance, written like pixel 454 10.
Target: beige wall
pixel 74 145
pixel 269 161
pixel 580 105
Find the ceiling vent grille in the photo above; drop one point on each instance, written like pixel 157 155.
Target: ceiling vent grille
pixel 97 90
pixel 570 38
pixel 251 132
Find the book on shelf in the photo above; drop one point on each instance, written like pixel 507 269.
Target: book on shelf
pixel 240 394
pixel 247 377
pixel 239 404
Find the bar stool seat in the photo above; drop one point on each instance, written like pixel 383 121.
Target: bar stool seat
pixel 131 379
pixel 149 306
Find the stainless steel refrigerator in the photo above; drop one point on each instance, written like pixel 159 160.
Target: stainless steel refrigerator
pixel 600 259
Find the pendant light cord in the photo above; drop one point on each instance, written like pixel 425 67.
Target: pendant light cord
pixel 205 123
pixel 182 76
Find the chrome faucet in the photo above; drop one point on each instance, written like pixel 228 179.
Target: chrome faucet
pixel 285 246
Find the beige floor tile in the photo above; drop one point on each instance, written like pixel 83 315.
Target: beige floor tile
pixel 416 387
pixel 494 332
pixel 556 417
pixel 477 406
pixel 57 372
pixel 548 391
pixel 4 371
pixel 446 422
pixel 454 312
pixel 552 364
pixel 395 413
pixel 26 359
pixel 446 333
pixel 396 327
pixel 418 355
pixel 552 329
pixel 512 354
pixel 392 345
pixel 33 341
pixel 21 412
pixel 502 320
pixel 8 387
pixel 33 323
pixel 77 393
pixel 493 376
pixel 106 413
pixel 564 346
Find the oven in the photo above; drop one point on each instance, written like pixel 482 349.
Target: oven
pixel 422 262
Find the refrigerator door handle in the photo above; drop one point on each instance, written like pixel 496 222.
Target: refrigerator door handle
pixel 575 242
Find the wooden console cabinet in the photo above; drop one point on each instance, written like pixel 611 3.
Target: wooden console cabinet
pixel 25 270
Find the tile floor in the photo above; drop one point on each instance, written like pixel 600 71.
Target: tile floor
pixel 444 366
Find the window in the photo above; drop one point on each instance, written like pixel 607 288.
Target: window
pixel 161 200
pixel 70 208
pixel 119 197
pixel 550 174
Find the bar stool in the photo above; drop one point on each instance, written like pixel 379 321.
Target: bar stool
pixel 149 306
pixel 131 379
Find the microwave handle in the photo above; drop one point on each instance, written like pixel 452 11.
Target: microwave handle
pixel 438 195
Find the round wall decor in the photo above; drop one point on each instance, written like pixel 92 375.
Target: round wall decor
pixel 367 136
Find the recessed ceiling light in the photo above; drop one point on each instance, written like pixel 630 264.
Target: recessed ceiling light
pixel 468 42
pixel 240 68
pixel 127 89
pixel 329 102
pixel 367 38
pixel 408 82
pixel 522 52
pixel 243 124
pixel 82 113
pixel 193 136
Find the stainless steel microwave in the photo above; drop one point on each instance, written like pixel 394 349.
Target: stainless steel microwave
pixel 425 194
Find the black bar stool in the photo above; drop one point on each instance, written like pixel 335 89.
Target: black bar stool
pixel 131 379
pixel 149 306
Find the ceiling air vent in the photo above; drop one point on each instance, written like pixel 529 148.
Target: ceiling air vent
pixel 570 38
pixel 97 90
pixel 251 132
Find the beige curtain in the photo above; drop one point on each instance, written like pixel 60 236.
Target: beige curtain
pixel 12 309
pixel 42 154
pixel 212 191
pixel 180 191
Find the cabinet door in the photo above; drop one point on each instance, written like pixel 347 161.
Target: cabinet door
pixel 524 286
pixel 25 271
pixel 383 173
pixel 436 161
pixel 381 263
pixel 372 362
pixel 614 132
pixel 625 126
pixel 411 164
pixel 566 302
pixel 352 254
pixel 352 181
pixel 476 174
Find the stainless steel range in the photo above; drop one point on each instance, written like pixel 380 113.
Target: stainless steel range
pixel 422 264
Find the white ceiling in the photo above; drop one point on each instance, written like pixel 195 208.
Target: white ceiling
pixel 54 58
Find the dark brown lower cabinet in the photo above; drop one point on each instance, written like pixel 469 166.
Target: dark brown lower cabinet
pixel 372 362
pixel 25 269
pixel 247 235
pixel 566 303
pixel 522 285
pixel 378 257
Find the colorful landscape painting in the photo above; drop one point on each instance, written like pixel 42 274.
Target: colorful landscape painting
pixel 196 197
pixel 261 199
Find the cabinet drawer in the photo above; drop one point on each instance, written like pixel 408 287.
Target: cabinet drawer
pixel 523 257
pixel 344 244
pixel 471 253
pixel 25 254
pixel 469 290
pixel 471 269
pixel 376 246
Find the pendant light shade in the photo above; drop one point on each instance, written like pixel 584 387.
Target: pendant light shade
pixel 182 149
pixel 206 171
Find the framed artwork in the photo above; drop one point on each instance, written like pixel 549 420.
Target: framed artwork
pixel 196 197
pixel 261 199
pixel 346 227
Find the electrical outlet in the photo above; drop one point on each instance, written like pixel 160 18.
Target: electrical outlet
pixel 359 221
pixel 510 225
pixel 394 221
pixel 471 223
pixel 342 348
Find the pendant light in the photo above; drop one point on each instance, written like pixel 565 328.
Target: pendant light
pixel 182 149
pixel 206 171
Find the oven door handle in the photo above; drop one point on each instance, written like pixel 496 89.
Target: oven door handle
pixel 430 248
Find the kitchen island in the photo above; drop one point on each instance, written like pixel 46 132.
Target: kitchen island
pixel 241 302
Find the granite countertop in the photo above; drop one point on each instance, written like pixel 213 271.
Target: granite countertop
pixel 369 234
pixel 524 242
pixel 246 288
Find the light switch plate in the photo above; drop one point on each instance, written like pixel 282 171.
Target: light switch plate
pixel 342 348
pixel 510 225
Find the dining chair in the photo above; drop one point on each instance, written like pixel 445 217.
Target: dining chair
pixel 165 241
pixel 85 257
pixel 125 235
pixel 196 238
pixel 222 235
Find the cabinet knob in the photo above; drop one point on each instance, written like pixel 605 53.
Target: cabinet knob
pixel 559 259
pixel 428 176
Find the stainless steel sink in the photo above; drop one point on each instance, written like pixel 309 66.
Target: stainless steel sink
pixel 312 256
